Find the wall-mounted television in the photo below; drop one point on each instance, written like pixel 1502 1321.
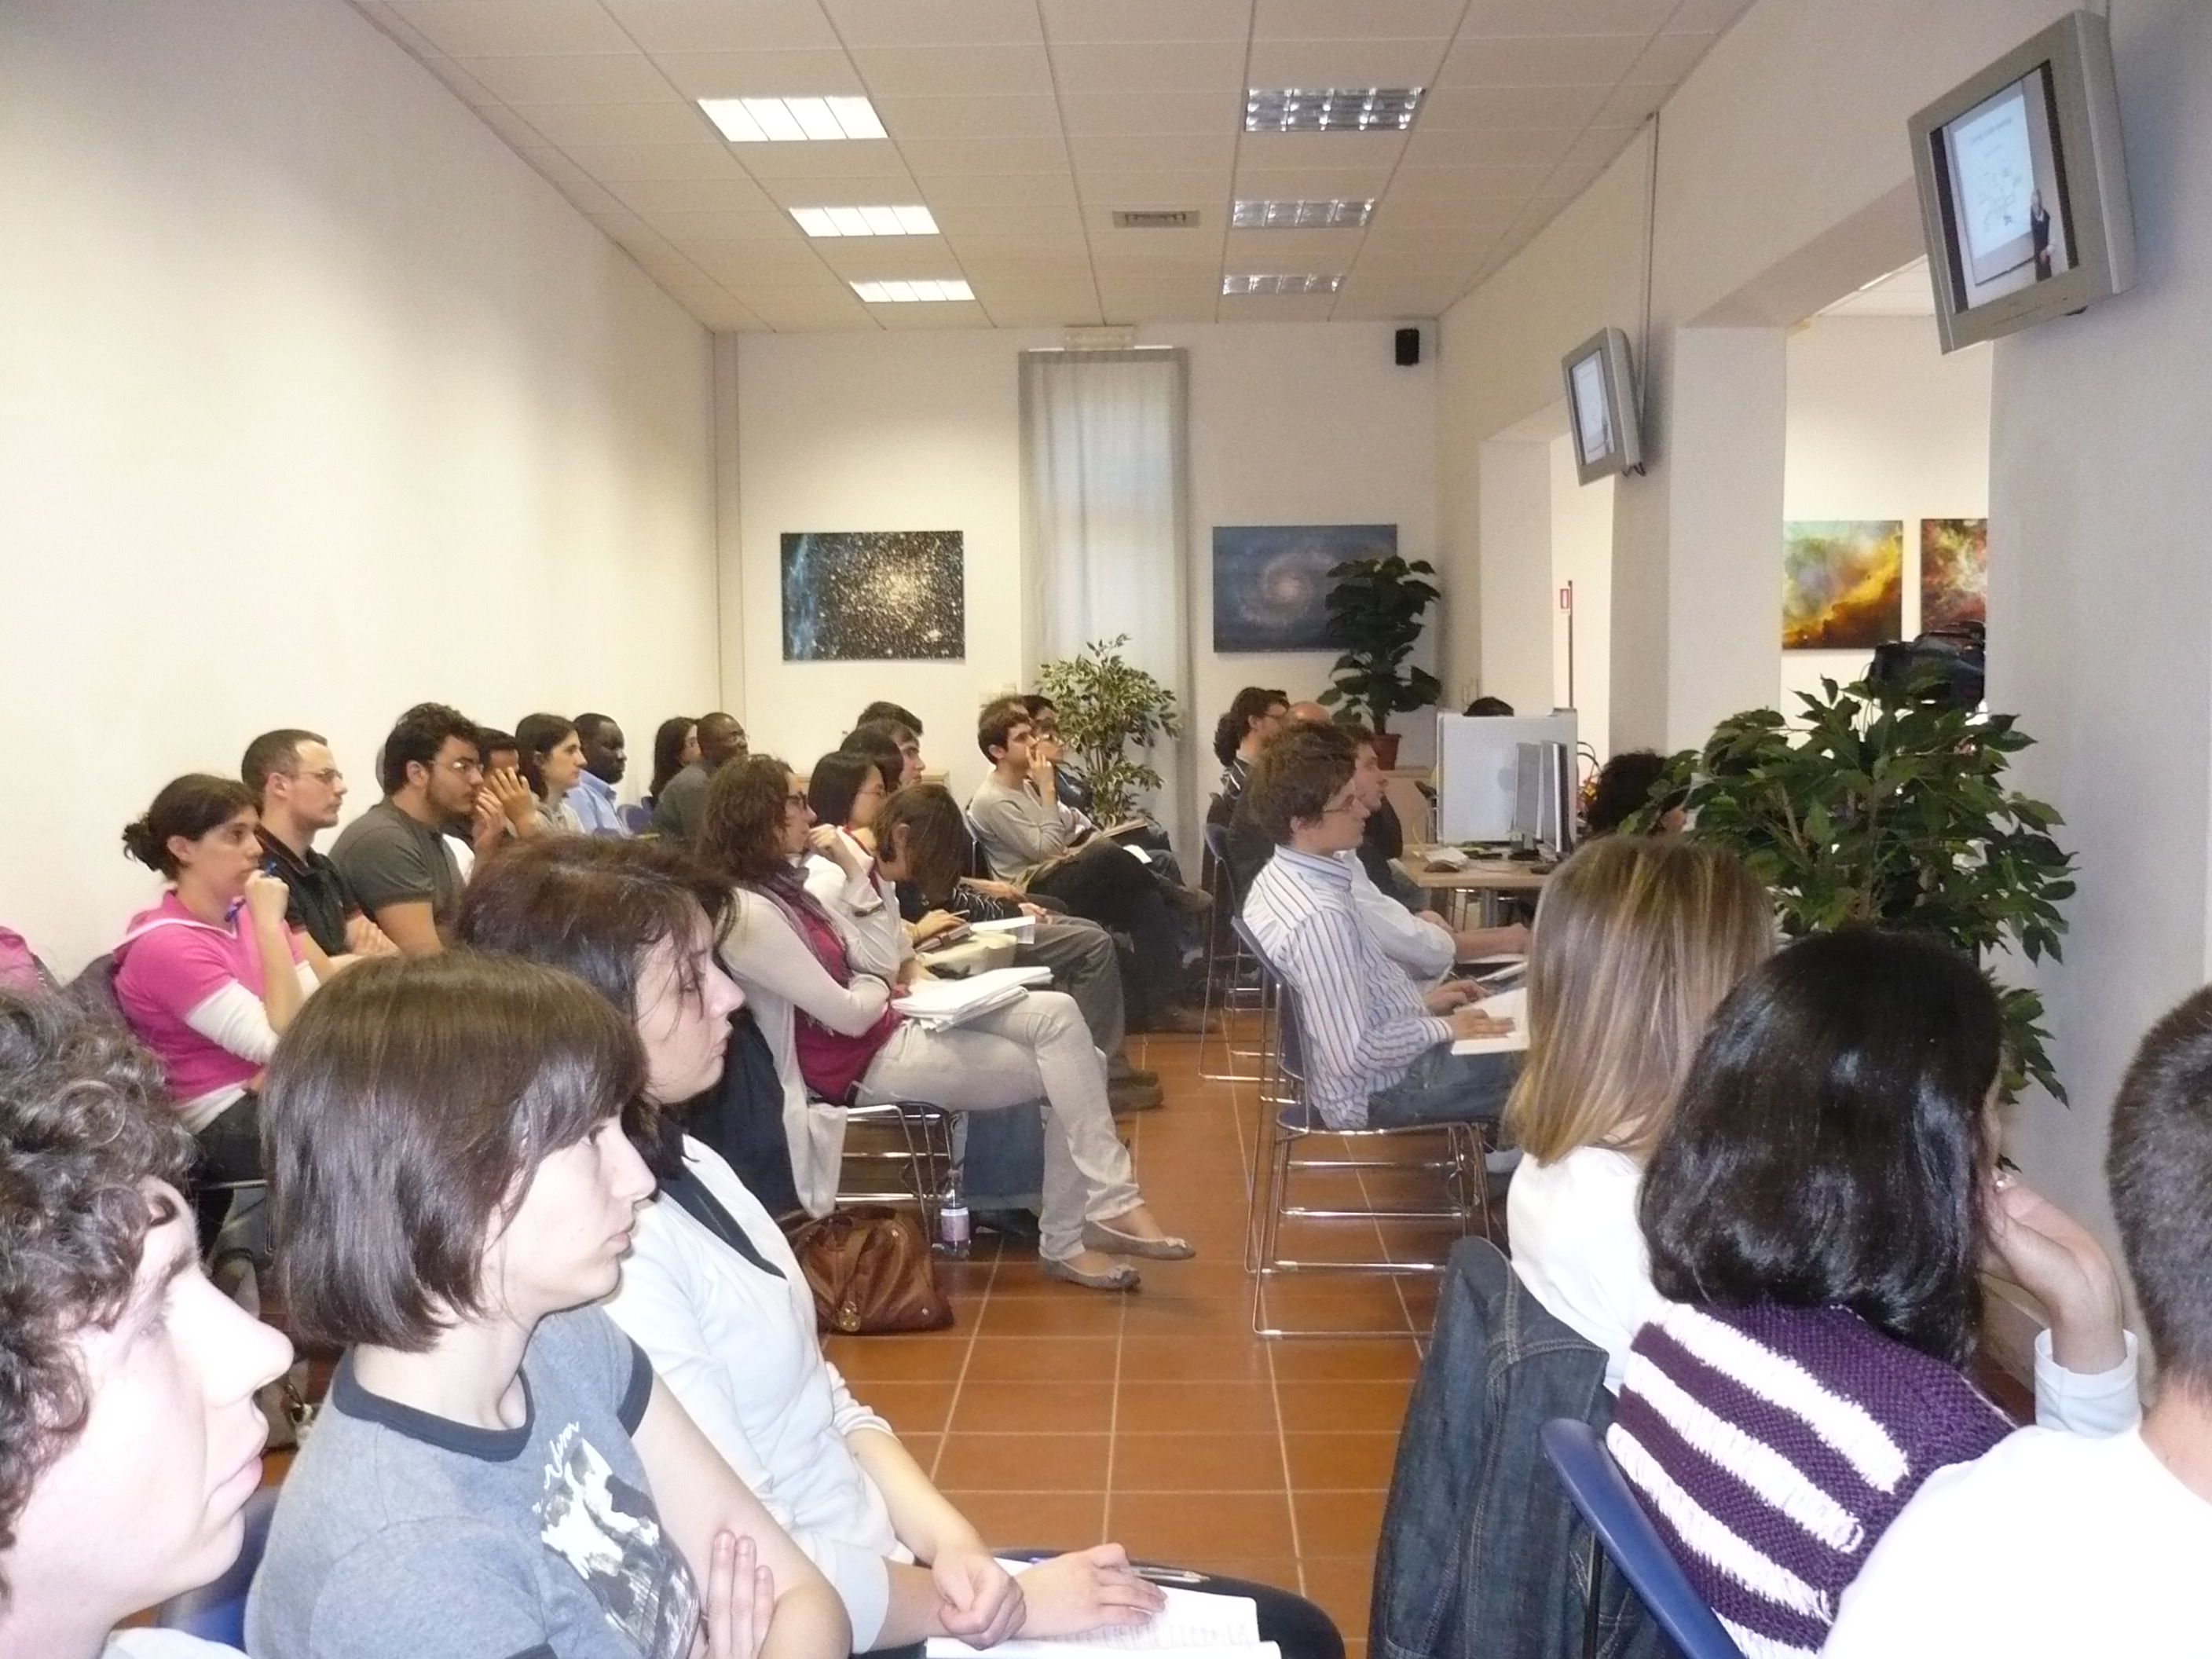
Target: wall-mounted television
pixel 2024 188
pixel 1601 406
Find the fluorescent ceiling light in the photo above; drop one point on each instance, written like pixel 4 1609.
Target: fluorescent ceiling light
pixel 792 120
pixel 1331 109
pixel 883 294
pixel 1309 281
pixel 1303 216
pixel 865 221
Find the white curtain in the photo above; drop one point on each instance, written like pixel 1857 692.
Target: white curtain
pixel 1104 529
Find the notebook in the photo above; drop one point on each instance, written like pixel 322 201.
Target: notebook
pixel 948 1002
pixel 1506 1005
pixel 1193 1626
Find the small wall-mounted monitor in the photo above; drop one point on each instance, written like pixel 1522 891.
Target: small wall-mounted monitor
pixel 1601 406
pixel 2024 188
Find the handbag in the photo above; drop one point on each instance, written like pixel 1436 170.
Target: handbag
pixel 871 1271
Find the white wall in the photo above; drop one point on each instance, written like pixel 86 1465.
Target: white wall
pixel 1290 423
pixel 315 402
pixel 1882 425
pixel 1582 553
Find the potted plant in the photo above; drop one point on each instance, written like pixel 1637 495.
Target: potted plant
pixel 1375 608
pixel 1106 706
pixel 1890 808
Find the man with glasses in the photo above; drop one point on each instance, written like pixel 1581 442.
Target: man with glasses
pixel 293 775
pixel 395 855
pixel 1378 1051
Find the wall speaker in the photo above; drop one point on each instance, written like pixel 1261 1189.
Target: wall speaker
pixel 1409 347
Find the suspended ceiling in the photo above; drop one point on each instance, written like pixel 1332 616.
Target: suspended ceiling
pixel 1023 125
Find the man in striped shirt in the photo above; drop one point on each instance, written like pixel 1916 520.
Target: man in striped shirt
pixel 1376 1050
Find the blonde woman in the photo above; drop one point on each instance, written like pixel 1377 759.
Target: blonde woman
pixel 1637 940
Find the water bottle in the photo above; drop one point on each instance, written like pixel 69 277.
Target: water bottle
pixel 952 1217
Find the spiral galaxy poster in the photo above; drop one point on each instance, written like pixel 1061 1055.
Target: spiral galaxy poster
pixel 1271 581
pixel 864 595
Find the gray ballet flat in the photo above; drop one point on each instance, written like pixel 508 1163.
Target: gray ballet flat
pixel 1120 1277
pixel 1098 1236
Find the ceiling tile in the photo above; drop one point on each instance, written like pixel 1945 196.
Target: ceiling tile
pixel 1074 21
pixel 1307 184
pixel 935 22
pixel 510 126
pixel 974 219
pixel 913 319
pixel 687 225
pixel 932 158
pixel 1274 307
pixel 1190 66
pixel 1166 303
pixel 609 77
pixel 1568 60
pixel 583 195
pixel 1368 20
pixel 731 193
pixel 397 27
pixel 464 85
pixel 1491 148
pixel 631 231
pixel 852 158
pixel 464 28
pixel 1042 306
pixel 1477 108
pixel 1398 213
pixel 1118 113
pixel 1566 16
pixel 954 71
pixel 1319 152
pixel 1060 250
pixel 693 26
pixel 740 265
pixel 1345 64
pixel 1714 15
pixel 1468 184
pixel 866 259
pixel 1631 104
pixel 1670 57
pixel 1207 190
pixel 1596 146
pixel 671 123
pixel 1179 153
pixel 1291 250
pixel 762 74
pixel 616 163
pixel 943 190
pixel 828 306
pixel 968 118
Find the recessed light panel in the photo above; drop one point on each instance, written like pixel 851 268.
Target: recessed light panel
pixel 865 221
pixel 1309 281
pixel 792 120
pixel 890 293
pixel 1302 215
pixel 1331 109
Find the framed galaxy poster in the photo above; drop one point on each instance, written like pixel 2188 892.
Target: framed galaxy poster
pixel 1271 581
pixel 861 595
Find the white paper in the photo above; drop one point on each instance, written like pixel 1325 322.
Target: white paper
pixel 950 1001
pixel 1192 1624
pixel 1506 1005
pixel 1021 928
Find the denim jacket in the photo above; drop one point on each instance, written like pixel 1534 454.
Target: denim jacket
pixel 1482 1556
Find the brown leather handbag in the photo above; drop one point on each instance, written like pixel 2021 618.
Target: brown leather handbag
pixel 870 1272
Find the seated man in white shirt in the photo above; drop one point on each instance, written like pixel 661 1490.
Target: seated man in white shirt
pixel 130 1440
pixel 2057 1544
pixel 1377 1052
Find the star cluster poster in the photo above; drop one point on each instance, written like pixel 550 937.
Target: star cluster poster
pixel 1271 581
pixel 871 595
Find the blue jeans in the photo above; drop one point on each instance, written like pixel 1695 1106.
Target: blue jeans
pixel 1443 1087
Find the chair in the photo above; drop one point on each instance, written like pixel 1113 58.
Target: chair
pixel 1285 1120
pixel 919 1138
pixel 634 817
pixel 1232 975
pixel 1602 1495
pixel 216 1612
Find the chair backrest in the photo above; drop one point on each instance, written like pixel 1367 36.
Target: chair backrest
pixel 94 988
pixel 636 818
pixel 216 1612
pixel 1282 998
pixel 1598 1488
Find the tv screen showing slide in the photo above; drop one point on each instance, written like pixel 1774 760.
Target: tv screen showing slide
pixel 2009 195
pixel 1593 420
pixel 1601 406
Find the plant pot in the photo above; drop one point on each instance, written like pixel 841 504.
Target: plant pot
pixel 1386 750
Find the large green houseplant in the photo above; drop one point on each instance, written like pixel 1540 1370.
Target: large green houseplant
pixel 1889 808
pixel 1375 609
pixel 1107 706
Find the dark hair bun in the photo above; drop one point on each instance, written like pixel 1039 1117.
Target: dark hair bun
pixel 140 843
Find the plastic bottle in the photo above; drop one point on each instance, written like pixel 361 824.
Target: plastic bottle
pixel 952 1231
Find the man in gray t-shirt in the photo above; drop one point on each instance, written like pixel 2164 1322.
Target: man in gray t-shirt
pixel 400 1533
pixel 389 858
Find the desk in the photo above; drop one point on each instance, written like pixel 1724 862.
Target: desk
pixel 1487 877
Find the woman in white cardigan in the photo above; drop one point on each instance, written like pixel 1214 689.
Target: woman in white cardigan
pixel 835 1028
pixel 713 1294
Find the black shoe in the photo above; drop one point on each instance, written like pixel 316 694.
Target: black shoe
pixel 1020 1225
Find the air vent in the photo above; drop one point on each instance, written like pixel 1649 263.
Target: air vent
pixel 1113 336
pixel 1155 218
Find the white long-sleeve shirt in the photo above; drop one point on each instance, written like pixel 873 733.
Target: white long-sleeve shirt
pixel 737 1348
pixel 1578 1249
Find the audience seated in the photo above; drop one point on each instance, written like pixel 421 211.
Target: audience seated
pixel 840 1032
pixel 1068 788
pixel 497 1470
pixel 298 790
pixel 130 1440
pixel 210 976
pixel 895 748
pixel 396 856
pixel 675 746
pixel 605 759
pixel 1254 714
pixel 1817 1214
pixel 1381 838
pixel 1636 941
pixel 714 1295
pixel 681 803
pixel 507 807
pixel 1032 840
pixel 891 713
pixel 2058 1545
pixel 1378 1052
pixel 1491 707
pixel 922 844
pixel 552 760
pixel 1624 787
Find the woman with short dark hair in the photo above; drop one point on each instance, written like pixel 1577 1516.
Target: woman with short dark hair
pixel 1818 1213
pixel 497 1470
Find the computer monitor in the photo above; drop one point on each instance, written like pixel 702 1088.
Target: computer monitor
pixel 1544 811
pixel 1601 406
pixel 1479 769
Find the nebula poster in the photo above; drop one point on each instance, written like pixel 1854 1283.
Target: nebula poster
pixel 1271 581
pixel 863 595
pixel 1954 572
pixel 1843 583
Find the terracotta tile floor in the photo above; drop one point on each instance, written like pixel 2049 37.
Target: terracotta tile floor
pixel 1057 1417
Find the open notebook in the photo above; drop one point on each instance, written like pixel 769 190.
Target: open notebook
pixel 1506 1005
pixel 947 1002
pixel 1193 1626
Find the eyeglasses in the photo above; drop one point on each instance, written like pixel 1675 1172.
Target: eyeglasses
pixel 328 777
pixel 794 802
pixel 465 767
